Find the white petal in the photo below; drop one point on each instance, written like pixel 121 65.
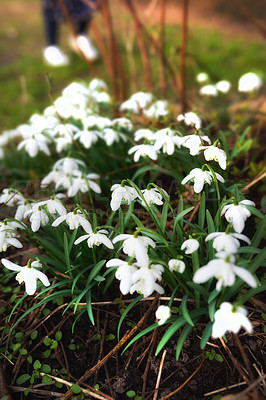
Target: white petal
pixel 10 265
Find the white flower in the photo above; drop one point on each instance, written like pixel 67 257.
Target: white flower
pixel 200 178
pixel 38 217
pixel 164 138
pixel 130 105
pixel 143 99
pixel 162 314
pixel 121 193
pixel 223 86
pixel 7 240
pixel 74 220
pixel 145 280
pixel 27 274
pixel 33 145
pixel 144 134
pixel 53 176
pixel 190 246
pixel 227 242
pixel 194 143
pixel 225 272
pixel 237 214
pixel 122 122
pixel 249 82
pixel 111 135
pixel 208 90
pixel 202 77
pixel 96 239
pixel 68 164
pixel 157 109
pixel 176 265
pixel 153 196
pixel 143 150
pixel 102 97
pixel 230 318
pixel 22 209
pixel 87 138
pixel 53 205
pixel 190 118
pixel 136 247
pixel 97 84
pixel 123 273
pixel 82 182
pixel 216 154
pixel 10 197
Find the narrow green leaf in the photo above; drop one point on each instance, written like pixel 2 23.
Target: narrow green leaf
pixel 185 310
pixel 23 378
pixel 129 307
pixel 201 218
pixel 66 250
pixel 206 335
pixel 185 332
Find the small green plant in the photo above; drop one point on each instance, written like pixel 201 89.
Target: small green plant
pixel 212 355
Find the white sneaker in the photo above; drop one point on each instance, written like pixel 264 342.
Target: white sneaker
pixel 85 45
pixel 55 57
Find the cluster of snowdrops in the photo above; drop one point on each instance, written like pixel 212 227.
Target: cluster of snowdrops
pixel 200 259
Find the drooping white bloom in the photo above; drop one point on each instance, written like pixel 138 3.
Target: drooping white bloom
pixel 157 109
pixel 38 218
pixel 145 280
pixel 223 270
pixel 144 134
pixel 136 247
pixel 194 143
pixel 8 235
pixel 230 318
pixel 164 139
pixel 97 84
pixel 95 121
pixel 124 273
pixel 249 82
pixel 200 178
pixel 54 205
pixel 237 214
pixel 223 86
pixel 190 246
pixel 121 193
pixel 202 77
pixel 27 274
pixel 216 154
pixel 68 164
pixel 87 137
pixel 153 196
pixel 95 239
pixel 10 197
pixel 122 122
pixel 22 209
pixel 190 119
pixel 227 242
pixel 79 182
pixel 208 90
pixel 111 135
pixel 143 150
pixel 162 314
pixel 143 99
pixel 102 97
pixel 176 265
pixel 74 220
pixel 130 105
pixel 34 144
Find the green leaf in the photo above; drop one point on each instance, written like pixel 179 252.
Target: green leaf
pixel 47 341
pixel 47 380
pixel 23 352
pixel 185 310
pixel 129 307
pixel 58 335
pixel 66 250
pixel 185 332
pixel 206 335
pixel 46 368
pixel 201 218
pixel 37 364
pixel 22 379
pixel 75 388
pixel 34 335
pixel 147 330
pixel 131 394
pixel 218 357
pixel 164 215
pixel 95 270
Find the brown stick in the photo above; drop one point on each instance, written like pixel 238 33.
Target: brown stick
pixel 73 34
pixel 162 69
pixel 142 47
pixel 124 339
pixel 182 77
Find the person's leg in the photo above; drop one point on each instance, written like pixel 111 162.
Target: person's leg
pixel 83 42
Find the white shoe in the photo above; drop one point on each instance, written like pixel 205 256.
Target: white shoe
pixel 84 44
pixel 55 57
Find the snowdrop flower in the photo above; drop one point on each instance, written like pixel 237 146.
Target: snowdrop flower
pixel 123 273
pixel 28 274
pixel 194 143
pixel 97 84
pixel 143 99
pixel 190 246
pixel 6 241
pixel 53 176
pixel 223 86
pixel 136 246
pixel 157 109
pixel 8 235
pixel 237 214
pixel 164 138
pixel 190 119
pixel 74 220
pixel 102 97
pixel 111 135
pixel 176 265
pixel 249 82
pixel 22 209
pixel 216 154
pixel 162 314
pixel 227 242
pixel 122 122
pixel 143 150
pixel 68 164
pixel 95 121
pixel 38 218
pixel 144 134
pixel 145 280
pixel 10 197
pixel 75 87
pixel 224 271
pixel 87 138
pixel 200 178
pixel 152 196
pixel 62 142
pixel 202 77
pixel 33 145
pixel 81 182
pixel 230 318
pixel 208 90
pixel 121 193
pixel 130 105
pixel 95 239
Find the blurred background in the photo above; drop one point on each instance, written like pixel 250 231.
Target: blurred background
pixel 225 39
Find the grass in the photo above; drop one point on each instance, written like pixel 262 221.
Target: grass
pixel 23 73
